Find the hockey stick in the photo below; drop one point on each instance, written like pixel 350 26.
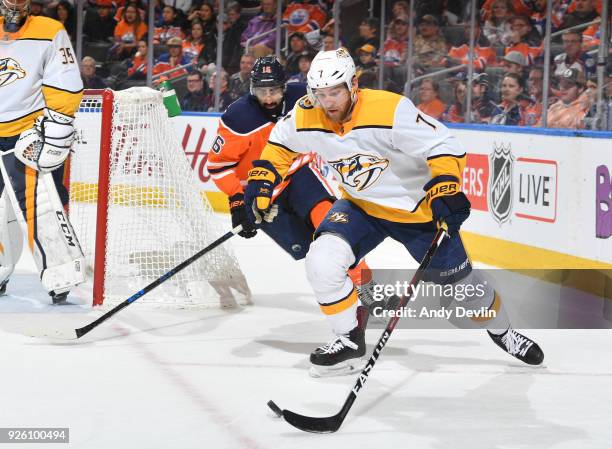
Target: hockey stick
pixel 331 424
pixel 73 334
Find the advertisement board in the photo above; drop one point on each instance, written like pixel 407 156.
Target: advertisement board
pixel 541 194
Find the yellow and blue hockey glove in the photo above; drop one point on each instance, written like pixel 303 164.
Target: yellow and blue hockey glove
pixel 263 178
pixel 448 203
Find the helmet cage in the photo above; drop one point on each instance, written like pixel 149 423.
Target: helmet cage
pixel 14 13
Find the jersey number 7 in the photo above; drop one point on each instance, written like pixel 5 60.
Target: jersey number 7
pixel 420 118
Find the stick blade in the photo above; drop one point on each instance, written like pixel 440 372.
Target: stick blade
pixel 53 334
pixel 328 424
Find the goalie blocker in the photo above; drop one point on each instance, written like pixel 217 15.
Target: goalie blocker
pixel 31 199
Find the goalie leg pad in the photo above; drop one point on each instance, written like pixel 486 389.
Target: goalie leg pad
pixel 39 210
pixel 11 240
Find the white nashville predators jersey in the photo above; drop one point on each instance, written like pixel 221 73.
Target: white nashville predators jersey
pixel 381 158
pixel 38 69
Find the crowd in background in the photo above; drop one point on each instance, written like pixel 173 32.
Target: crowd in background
pixel 508 74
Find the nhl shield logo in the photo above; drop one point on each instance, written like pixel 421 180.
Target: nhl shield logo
pixel 500 183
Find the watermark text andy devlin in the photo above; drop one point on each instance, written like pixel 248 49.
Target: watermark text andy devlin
pixel 429 312
pixel 463 295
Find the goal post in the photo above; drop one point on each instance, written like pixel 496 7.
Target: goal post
pixel 138 209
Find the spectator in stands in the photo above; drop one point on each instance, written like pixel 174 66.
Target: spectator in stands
pixel 88 74
pixel 37 8
pixel 193 45
pixel 394 48
pixel 249 9
pixel 169 27
pixel 538 17
pixel 368 34
pixel 225 98
pixel 525 39
pixel 455 112
pixel 201 11
pixel 327 43
pixel 484 55
pixel 100 26
pixel 64 12
pixel 297 46
pixel 482 103
pixel 429 44
pixel 497 28
pixel 574 101
pixel 209 23
pixel 535 89
pixel 158 10
pixel 602 119
pixel 514 62
pixel 128 32
pixel 259 24
pixel 442 10
pixel 173 58
pixel 301 16
pixel 304 61
pixel 234 26
pixel 429 98
pixel 400 8
pixel 240 82
pixel 585 12
pixel 573 57
pixel 137 68
pixel 508 112
pixel 367 71
pixel 197 91
pixel 322 39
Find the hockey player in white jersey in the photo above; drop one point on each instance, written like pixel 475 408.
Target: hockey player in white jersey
pixel 40 88
pixel 399 171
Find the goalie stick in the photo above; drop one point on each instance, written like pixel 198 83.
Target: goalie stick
pixel 73 334
pixel 331 424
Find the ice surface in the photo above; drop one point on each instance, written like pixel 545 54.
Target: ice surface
pixel 201 378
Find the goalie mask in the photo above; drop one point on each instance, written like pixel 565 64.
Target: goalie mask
pixel 15 12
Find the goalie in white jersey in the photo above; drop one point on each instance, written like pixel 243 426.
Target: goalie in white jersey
pixel 399 171
pixel 41 88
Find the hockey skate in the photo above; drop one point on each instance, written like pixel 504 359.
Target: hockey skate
pixel 3 288
pixel 58 298
pixel 519 346
pixel 343 354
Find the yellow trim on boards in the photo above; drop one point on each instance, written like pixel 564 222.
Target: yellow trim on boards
pixel 517 256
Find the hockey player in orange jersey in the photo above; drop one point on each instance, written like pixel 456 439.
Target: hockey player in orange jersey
pixel 303 199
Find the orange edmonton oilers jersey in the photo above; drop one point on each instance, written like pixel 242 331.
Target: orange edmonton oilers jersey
pixel 242 134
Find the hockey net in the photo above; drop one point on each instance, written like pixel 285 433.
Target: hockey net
pixel 138 209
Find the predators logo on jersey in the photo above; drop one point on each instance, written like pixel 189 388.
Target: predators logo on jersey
pixel 10 71
pixel 360 170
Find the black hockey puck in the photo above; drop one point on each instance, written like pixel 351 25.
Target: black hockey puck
pixel 275 408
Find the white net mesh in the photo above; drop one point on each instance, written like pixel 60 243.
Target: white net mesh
pixel 157 217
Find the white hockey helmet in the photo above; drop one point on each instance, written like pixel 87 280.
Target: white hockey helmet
pixel 331 68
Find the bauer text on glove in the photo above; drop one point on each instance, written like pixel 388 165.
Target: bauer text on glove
pixel 448 203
